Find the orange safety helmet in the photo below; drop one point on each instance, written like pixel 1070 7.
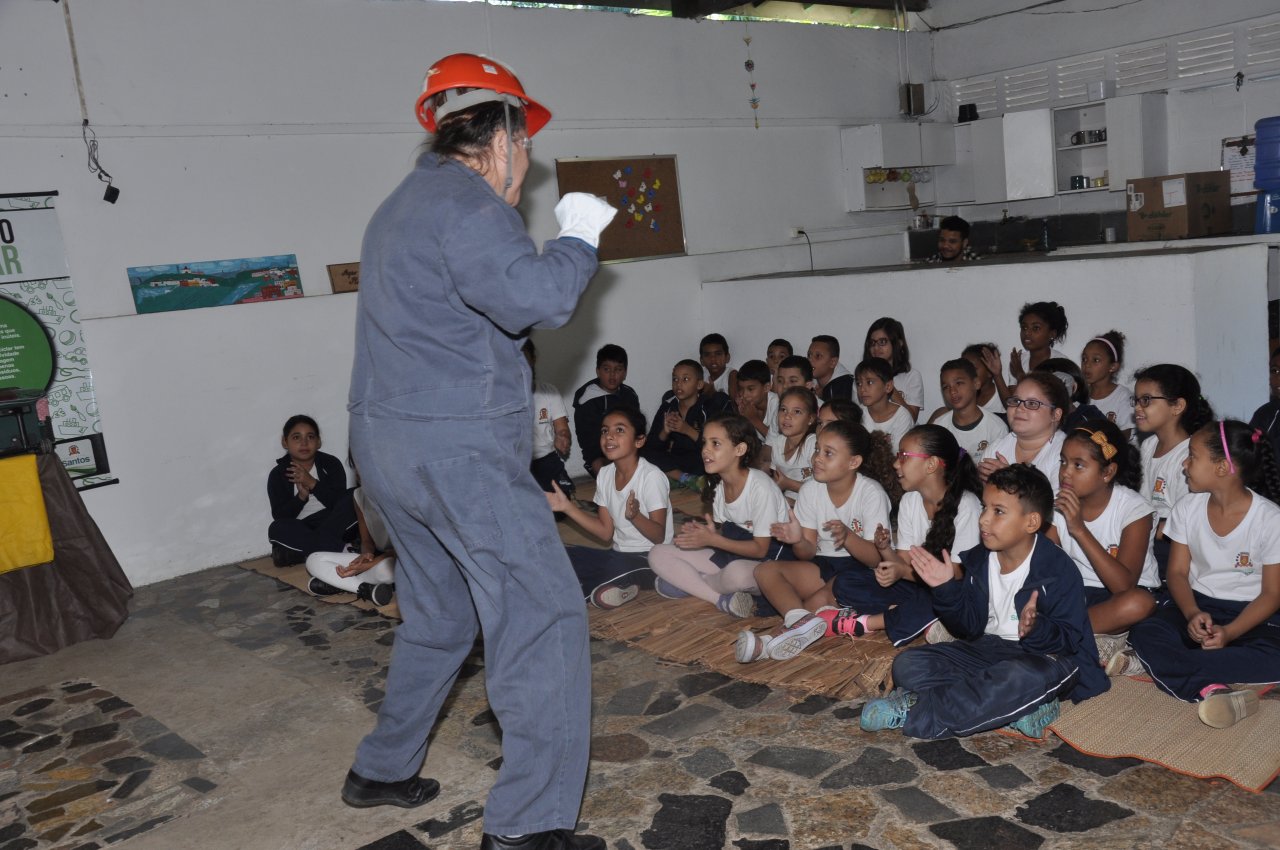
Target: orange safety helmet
pixel 469 71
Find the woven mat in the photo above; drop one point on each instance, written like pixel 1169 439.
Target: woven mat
pixel 297 576
pixel 1135 719
pixel 690 631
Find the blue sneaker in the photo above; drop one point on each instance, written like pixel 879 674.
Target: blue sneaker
pixel 667 590
pixel 887 712
pixel 1033 725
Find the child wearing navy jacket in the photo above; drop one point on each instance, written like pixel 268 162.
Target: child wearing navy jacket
pixel 1019 616
pixel 311 506
pixel 594 399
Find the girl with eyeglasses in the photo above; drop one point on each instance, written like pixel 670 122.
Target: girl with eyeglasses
pixel 1102 522
pixel 1219 622
pixel 1036 408
pixel 1167 405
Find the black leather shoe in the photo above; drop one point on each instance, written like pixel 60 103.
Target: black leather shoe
pixel 556 839
pixel 407 793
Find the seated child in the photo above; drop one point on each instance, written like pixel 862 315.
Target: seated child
pixel 939 512
pixel 985 357
pixel 1169 407
pixel 311 507
pixel 790 446
pixel 1106 527
pixel 713 352
pixel 779 350
pixel 755 400
pixel 634 514
pixel 973 427
pixel 887 339
pixel 1036 408
pixel 597 397
pixel 794 371
pixel 1100 364
pixel 551 438
pixel 370 573
pixel 875 394
pixel 830 533
pixel 842 409
pixel 1219 623
pixel 1018 613
pixel 1267 418
pixel 672 444
pixel 1041 325
pixel 824 357
pixel 714 558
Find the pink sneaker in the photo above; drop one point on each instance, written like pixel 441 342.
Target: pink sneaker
pixel 843 621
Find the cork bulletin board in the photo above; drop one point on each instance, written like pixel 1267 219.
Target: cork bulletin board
pixel 646 192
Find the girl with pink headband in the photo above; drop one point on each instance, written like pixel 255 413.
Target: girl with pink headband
pixel 1100 364
pixel 1220 620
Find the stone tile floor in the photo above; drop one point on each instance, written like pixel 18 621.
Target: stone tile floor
pixel 225 712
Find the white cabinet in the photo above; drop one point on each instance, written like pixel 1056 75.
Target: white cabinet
pixel 954 182
pixel 1137 144
pixel 1103 144
pixel 891 166
pixel 1012 157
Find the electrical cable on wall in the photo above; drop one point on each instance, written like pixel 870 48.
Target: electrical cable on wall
pixel 112 194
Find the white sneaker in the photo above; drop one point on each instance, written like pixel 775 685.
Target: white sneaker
pixel 793 641
pixel 610 596
pixel 1226 707
pixel 937 633
pixel 1109 646
pixel 751 647
pixel 1125 663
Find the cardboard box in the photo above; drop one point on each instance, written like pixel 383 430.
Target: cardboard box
pixel 1179 206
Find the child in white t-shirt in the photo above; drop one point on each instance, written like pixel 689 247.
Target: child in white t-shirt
pixel 1100 365
pixel 887 339
pixel 830 532
pixel 974 428
pixel 791 445
pixel 633 499
pixel 1219 623
pixel 551 436
pixel 755 400
pixel 1168 407
pixel 714 558
pixel 874 383
pixel 1106 528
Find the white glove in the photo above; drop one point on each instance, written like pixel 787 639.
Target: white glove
pixel 584 216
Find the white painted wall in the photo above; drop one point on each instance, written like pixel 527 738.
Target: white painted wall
pixel 1064 29
pixel 243 128
pixel 1210 317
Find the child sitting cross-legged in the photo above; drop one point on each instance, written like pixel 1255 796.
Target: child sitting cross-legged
pixel 830 532
pixel 1018 613
pixel 714 558
pixel 633 513
pixel 672 444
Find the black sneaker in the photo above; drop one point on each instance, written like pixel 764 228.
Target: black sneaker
pixel 407 793
pixel 320 588
pixel 379 594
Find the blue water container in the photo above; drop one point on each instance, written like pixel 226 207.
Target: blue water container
pixel 1266 175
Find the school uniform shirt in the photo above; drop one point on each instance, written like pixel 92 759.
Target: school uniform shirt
pixel 1163 482
pixel 1002 609
pixel 1024 357
pixel 653 492
pixel 757 508
pixel 912 387
pixel 866 507
pixel 1228 567
pixel 722 383
pixel 914 522
pixel 548 406
pixel 799 466
pixel 974 438
pixel 770 416
pixel 1046 460
pixel 1124 508
pixel 1117 407
pixel 896 426
pixel 995 407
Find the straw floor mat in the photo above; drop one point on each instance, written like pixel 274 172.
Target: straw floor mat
pixel 1135 719
pixel 297 576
